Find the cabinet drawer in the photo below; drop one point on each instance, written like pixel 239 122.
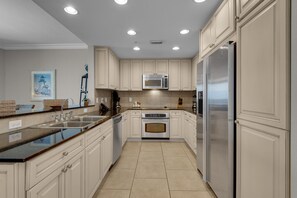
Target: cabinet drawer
pixel 175 113
pixel 43 165
pixel 92 135
pixel 136 112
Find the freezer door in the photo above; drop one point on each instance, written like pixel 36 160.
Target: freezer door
pixel 220 137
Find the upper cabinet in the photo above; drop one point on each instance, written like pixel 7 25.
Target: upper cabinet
pixel 244 7
pixel 155 66
pixel 136 75
pixel 195 62
pixel 263 67
pixel 162 66
pixel 106 69
pixel 174 75
pixel 125 75
pixel 180 75
pixel 219 27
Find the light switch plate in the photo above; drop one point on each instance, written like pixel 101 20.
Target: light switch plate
pixel 105 99
pixel 15 124
pixel 97 100
pixel 85 110
pixel 130 99
pixel 14 137
pixel 102 100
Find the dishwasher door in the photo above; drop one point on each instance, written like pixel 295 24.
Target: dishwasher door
pixel 117 137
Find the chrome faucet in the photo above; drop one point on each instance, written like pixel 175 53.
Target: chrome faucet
pixel 67 115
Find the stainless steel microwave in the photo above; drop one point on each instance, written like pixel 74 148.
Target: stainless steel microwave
pixel 154 81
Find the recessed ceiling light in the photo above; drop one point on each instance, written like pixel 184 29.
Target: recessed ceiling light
pixel 184 31
pixel 131 32
pixel 70 10
pixel 136 48
pixel 199 1
pixel 121 2
pixel 175 48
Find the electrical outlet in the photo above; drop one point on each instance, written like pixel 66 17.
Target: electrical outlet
pixel 14 137
pixel 97 100
pixel 102 100
pixel 15 124
pixel 105 99
pixel 85 110
pixel 130 99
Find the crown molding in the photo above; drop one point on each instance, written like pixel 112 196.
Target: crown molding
pixel 45 46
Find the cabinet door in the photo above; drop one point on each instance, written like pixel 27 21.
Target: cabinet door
pixel 207 38
pixel 244 7
pixel 51 186
pixel 135 126
pixel 7 181
pixel 124 130
pixel 112 70
pixel 125 75
pixel 117 73
pixel 93 167
pixel 262 161
pixel 149 66
pixel 195 62
pixel 185 75
pixel 174 75
pixel 263 78
pixel 106 152
pixel 74 177
pixel 225 21
pixel 101 69
pixel 175 125
pixel 162 66
pixel 136 75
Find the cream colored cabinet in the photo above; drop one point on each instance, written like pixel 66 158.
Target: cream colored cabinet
pixel 195 62
pixel 149 66
pixel 263 70
pixel 162 66
pixel 185 75
pixel 174 75
pixel 66 181
pixel 189 130
pixel 244 7
pixel 175 124
pixel 262 161
pixel 136 75
pixel 7 182
pixel 219 27
pixel 125 75
pixel 125 127
pixel 106 69
pixel 106 151
pixel 135 116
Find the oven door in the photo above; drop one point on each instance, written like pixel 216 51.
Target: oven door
pixel 155 128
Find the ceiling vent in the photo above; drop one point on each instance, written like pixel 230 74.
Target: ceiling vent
pixel 156 42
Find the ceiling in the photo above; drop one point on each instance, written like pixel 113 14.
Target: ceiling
pixel 105 23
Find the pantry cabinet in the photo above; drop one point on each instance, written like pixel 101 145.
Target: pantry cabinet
pixel 136 75
pixel 106 69
pixel 176 124
pixel 135 116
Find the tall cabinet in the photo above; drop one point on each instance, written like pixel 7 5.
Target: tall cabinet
pixel 263 106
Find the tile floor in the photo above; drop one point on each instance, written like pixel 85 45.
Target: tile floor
pixel 154 170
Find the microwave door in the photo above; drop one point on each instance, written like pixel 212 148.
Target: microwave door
pixel 152 83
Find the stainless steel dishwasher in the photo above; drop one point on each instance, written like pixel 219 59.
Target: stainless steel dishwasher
pixel 117 137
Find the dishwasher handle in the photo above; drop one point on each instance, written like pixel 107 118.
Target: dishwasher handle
pixel 117 119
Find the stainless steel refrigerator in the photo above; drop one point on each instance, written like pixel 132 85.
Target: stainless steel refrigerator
pixel 215 124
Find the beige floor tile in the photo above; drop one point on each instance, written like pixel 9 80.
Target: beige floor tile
pixel 171 145
pixel 151 156
pixel 120 179
pixel 150 169
pixel 174 152
pixel 130 152
pixel 182 163
pixel 114 194
pixel 185 180
pixel 132 145
pixel 127 162
pixel 190 194
pixel 150 188
pixel 151 146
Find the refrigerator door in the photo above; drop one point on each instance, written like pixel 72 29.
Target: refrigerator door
pixel 220 113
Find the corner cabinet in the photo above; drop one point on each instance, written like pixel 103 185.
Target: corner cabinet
pixel 106 69
pixel 219 27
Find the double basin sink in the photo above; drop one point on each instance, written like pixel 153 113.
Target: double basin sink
pixel 81 122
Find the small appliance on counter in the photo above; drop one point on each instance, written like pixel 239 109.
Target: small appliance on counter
pixel 180 103
pixel 115 103
pixel 194 106
pixel 103 109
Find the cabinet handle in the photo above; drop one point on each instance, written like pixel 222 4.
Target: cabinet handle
pixel 64 170
pixel 65 153
pixel 69 166
pixel 236 122
pixel 211 45
pixel 236 18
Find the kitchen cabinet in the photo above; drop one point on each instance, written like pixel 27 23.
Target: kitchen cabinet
pixel 189 130
pixel 219 27
pixel 106 150
pixel 125 127
pixel 175 124
pixel 162 66
pixel 106 69
pixel 195 62
pixel 262 161
pixel 262 55
pixel 136 75
pixel 66 181
pixel 244 7
pixel 7 178
pixel 125 75
pixel 135 116
pixel 185 75
pixel 174 75
pixel 149 66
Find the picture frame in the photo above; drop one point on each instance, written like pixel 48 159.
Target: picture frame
pixel 43 85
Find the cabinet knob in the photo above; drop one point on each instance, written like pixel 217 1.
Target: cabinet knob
pixel 236 18
pixel 211 45
pixel 64 170
pixel 69 166
pixel 236 122
pixel 65 153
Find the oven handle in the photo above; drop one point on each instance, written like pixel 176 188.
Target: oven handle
pixel 165 121
pixel 155 118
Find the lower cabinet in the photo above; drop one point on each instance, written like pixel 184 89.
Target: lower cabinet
pixel 176 124
pixel 66 181
pixel 262 161
pixel 125 127
pixel 189 130
pixel 135 124
pixel 106 151
pixel 6 177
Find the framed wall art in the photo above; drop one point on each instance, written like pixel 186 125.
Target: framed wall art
pixel 43 85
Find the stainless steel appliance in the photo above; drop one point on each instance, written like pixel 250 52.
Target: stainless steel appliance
pixel 155 125
pixel 117 137
pixel 155 81
pixel 216 132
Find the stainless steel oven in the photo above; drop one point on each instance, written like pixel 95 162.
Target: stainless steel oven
pixel 155 125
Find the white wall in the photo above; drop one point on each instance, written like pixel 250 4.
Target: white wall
pixel 293 100
pixel 2 76
pixel 69 66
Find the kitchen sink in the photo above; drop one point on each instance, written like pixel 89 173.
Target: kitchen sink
pixel 88 118
pixel 66 124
